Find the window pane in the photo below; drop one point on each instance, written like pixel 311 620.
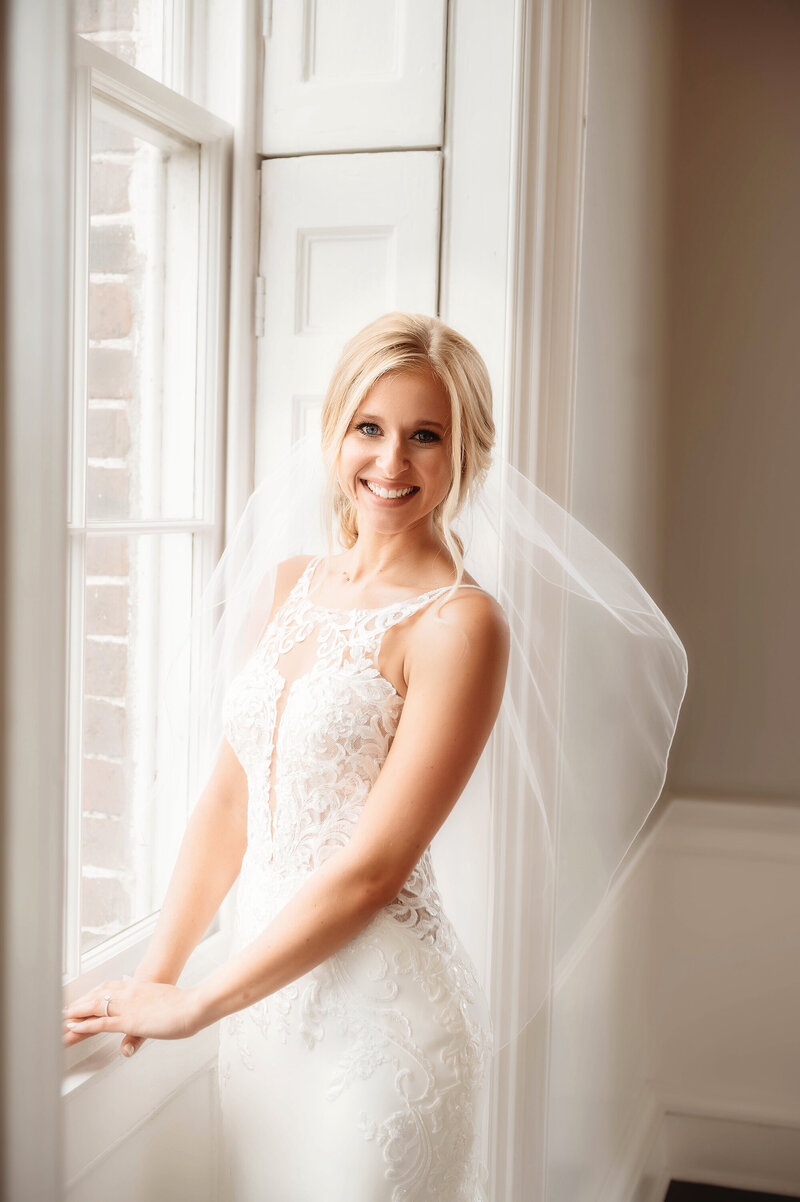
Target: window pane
pixel 142 321
pixel 137 593
pixel 133 30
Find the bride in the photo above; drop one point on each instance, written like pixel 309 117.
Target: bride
pixel 349 699
pixel 355 1037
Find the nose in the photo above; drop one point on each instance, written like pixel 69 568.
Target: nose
pixel 391 458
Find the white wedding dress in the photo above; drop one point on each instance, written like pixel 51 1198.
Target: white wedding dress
pixel 366 1079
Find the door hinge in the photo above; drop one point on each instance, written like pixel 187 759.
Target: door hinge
pixel 261 302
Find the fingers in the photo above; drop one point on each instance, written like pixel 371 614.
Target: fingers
pixel 94 1026
pixel 130 1044
pixel 87 1015
pixel 93 1003
pixel 70 1038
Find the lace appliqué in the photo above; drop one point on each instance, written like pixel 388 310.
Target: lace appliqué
pixel 329 743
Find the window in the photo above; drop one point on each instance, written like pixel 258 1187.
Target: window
pixel 145 33
pixel 145 527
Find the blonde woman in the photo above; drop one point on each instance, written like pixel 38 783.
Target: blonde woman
pixel 356 1038
pixel 357 690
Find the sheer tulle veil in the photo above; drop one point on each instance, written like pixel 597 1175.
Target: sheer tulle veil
pixel 578 756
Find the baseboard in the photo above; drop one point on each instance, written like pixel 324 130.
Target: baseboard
pixel 754 1153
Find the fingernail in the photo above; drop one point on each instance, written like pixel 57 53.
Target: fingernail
pixel 128 1050
pixel 72 1025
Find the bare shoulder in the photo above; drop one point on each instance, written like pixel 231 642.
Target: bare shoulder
pixel 466 632
pixel 287 574
pixel 472 611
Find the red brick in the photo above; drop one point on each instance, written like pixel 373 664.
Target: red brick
pixel 107 493
pixel 106 555
pixel 108 434
pixel 109 188
pixel 105 669
pixel 104 786
pixel 104 730
pixel 111 373
pixel 105 901
pixel 107 609
pixel 110 314
pixel 112 248
pixel 105 842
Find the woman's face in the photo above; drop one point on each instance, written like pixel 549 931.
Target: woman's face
pixel 394 461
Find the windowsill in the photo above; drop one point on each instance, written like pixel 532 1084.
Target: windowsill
pixel 102 1051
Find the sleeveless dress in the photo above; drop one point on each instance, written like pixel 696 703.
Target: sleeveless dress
pixel 366 1079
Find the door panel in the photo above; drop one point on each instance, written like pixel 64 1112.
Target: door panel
pixel 344 238
pixel 364 75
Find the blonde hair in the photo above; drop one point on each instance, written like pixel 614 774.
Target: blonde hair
pixel 405 342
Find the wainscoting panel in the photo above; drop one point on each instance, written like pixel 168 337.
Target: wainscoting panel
pixel 675 1051
pixel 726 991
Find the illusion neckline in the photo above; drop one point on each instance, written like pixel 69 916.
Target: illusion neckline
pixel 308 573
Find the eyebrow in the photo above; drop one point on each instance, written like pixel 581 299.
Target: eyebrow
pixel 369 417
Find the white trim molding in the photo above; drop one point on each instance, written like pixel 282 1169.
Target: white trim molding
pixel 37 90
pixel 545 239
pixel 516 100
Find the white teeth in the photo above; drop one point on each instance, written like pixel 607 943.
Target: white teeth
pixel 387 493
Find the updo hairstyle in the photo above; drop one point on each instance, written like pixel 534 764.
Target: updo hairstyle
pixel 406 342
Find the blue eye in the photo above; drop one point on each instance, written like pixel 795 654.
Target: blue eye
pixel 372 430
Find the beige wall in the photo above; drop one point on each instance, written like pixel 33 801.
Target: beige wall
pixel 733 503
pixel 687 436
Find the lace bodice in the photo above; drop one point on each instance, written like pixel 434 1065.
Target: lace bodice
pixel 312 719
pixel 397 1010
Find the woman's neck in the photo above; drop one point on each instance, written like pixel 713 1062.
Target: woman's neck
pixel 402 558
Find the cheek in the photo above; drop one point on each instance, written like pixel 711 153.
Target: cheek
pixel 348 465
pixel 440 472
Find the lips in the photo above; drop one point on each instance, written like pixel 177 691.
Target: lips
pixel 398 492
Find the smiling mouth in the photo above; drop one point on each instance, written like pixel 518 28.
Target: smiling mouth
pixel 390 494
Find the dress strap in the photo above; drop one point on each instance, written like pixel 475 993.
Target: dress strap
pixel 394 611
pixel 397 611
pixel 304 579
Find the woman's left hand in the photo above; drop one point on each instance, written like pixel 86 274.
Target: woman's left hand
pixel 145 1008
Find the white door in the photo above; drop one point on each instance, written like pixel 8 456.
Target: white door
pixel 344 238
pixel 360 75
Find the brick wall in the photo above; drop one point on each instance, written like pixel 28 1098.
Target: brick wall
pixel 115 287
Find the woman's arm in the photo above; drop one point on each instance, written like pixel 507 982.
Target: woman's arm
pixel 456 673
pixel 208 863
pixel 209 858
pixel 212 849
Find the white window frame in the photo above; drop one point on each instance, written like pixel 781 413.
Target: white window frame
pixel 102 74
